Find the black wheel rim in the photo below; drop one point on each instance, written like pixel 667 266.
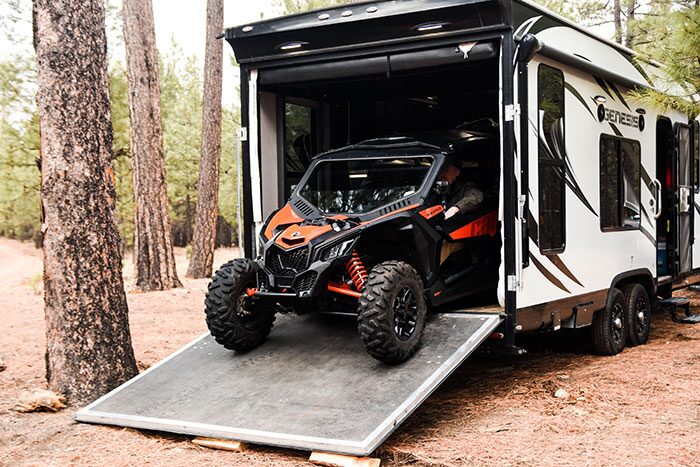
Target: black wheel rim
pixel 641 318
pixel 405 313
pixel 245 312
pixel 617 322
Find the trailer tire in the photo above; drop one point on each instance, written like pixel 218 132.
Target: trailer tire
pixel 233 326
pixel 609 333
pixel 638 314
pixel 392 312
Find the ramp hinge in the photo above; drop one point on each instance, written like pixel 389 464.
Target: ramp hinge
pixel 243 134
pixel 513 283
pixel 511 111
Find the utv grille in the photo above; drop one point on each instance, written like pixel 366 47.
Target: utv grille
pixel 287 263
pixel 306 281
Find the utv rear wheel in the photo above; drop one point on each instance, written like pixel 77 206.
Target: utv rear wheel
pixel 609 331
pixel 232 316
pixel 392 312
pixel 638 315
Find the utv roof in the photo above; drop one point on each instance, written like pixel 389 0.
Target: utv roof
pixel 394 147
pixel 377 23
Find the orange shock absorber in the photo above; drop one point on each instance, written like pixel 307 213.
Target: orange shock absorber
pixel 357 271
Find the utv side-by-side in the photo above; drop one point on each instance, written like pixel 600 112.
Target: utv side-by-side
pixel 363 233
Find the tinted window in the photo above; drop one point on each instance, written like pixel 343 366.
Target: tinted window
pixel 552 156
pixel 358 186
pixel 620 184
pixel 298 142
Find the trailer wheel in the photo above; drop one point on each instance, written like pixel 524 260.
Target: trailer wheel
pixel 392 312
pixel 609 331
pixel 638 314
pixel 232 317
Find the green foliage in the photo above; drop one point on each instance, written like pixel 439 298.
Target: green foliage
pixel 299 6
pixel 19 151
pixel 672 37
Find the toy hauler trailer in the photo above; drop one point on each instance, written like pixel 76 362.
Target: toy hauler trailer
pixel 596 205
pixel 597 190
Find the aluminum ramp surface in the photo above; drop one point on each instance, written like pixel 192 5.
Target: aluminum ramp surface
pixel 311 386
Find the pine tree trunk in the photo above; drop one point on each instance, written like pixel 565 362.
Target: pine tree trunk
pixel 207 210
pixel 630 36
pixel 617 19
pixel 153 248
pixel 88 342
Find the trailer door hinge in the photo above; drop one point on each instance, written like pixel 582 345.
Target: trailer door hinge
pixel 512 110
pixel 243 134
pixel 513 283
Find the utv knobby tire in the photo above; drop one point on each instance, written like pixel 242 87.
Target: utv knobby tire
pixel 609 329
pixel 222 307
pixel 376 317
pixel 638 314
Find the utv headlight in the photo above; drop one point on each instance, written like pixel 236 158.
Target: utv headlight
pixel 338 250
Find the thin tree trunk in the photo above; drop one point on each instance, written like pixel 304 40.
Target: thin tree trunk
pixel 153 248
pixel 617 15
pixel 630 26
pixel 88 342
pixel 207 210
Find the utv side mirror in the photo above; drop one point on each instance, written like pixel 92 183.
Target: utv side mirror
pixel 442 187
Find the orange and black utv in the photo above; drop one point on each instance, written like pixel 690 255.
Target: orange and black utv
pixel 363 233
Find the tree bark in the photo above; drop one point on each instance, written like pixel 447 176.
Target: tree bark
pixel 617 16
pixel 89 348
pixel 630 35
pixel 207 210
pixel 153 249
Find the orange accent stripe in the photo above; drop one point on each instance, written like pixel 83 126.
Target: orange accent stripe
pixel 344 291
pixel 407 208
pixel 486 225
pixel 432 212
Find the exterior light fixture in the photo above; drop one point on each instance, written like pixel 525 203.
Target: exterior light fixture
pixel 433 26
pixel 247 28
pixel 292 45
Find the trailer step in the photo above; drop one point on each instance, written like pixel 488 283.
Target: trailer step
pixel 671 305
pixel 311 386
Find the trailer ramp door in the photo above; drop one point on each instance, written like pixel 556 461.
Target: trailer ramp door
pixel 311 386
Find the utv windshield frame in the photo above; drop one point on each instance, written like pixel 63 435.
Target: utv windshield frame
pixel 374 153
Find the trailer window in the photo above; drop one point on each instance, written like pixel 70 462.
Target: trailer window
pixel 620 184
pixel 552 165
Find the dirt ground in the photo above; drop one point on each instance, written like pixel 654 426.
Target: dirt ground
pixel 641 407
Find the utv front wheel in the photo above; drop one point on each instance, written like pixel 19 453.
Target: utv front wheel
pixel 392 312
pixel 232 316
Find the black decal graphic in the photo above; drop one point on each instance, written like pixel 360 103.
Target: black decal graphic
pixel 649 236
pixel 548 275
pixel 604 86
pixel 532 228
pixel 556 261
pixel 578 96
pixel 618 94
pixel 615 129
pixel 558 151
